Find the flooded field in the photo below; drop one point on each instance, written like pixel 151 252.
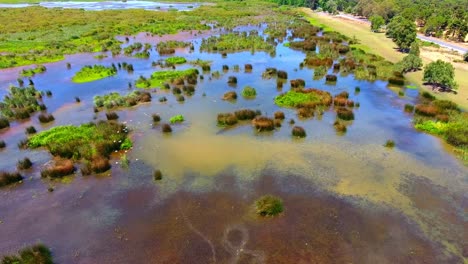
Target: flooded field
pixel 347 198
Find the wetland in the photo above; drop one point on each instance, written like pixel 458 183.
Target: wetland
pixel 243 135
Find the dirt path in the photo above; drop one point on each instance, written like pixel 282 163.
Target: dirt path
pixel 377 43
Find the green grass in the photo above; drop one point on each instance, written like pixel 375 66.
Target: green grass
pixel 294 99
pixel 176 119
pixel 84 141
pixel 176 60
pixel 93 73
pixel 158 78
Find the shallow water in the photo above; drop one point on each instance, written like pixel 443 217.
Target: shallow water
pixel 110 5
pixel 347 198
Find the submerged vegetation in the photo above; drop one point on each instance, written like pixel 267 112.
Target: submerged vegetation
pixel 92 73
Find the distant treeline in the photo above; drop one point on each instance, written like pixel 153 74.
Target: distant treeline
pixel 441 18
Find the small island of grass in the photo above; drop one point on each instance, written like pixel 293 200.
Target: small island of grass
pixel 20 103
pixel 304 98
pixel 115 99
pixel 158 78
pixel 176 119
pixel 176 60
pixel 93 73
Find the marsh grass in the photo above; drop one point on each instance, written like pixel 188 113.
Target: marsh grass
pixel 59 169
pixel 92 73
pixel 263 123
pixel 7 178
pixel 298 131
pixel 20 103
pixel 24 164
pixel 158 78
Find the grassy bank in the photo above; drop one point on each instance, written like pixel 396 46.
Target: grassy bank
pixel 387 49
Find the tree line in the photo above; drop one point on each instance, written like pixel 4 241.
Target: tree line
pixel 439 18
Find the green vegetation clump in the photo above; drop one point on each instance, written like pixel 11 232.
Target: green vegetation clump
pixel 21 102
pixel 249 92
pixel 302 97
pixel 298 131
pixel 176 60
pixel 177 119
pixel 226 119
pixel 114 99
pixel 92 73
pixel 232 42
pixel 84 141
pixel 168 47
pixel 440 74
pixel 389 144
pixel 269 205
pixel 33 71
pixel 158 78
pixel 7 178
pixel 37 254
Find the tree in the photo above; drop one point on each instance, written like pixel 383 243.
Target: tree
pixel 465 57
pixel 409 63
pixel 440 74
pixel 376 22
pixel 331 7
pixel 414 49
pixel 402 31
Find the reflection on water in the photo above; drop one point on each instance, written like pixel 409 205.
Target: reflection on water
pixel 347 198
pixel 110 5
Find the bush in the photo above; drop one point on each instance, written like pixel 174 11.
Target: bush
pixel 162 99
pixel 357 89
pixel 37 254
pixel 396 81
pixel 59 169
pixel 7 178
pixel 345 113
pixel 263 123
pixel 279 115
pixel 2 144
pixel 4 123
pixel 31 130
pixel 282 75
pixel 330 78
pixel 246 114
pixel 389 143
pixel 248 67
pixel 156 117
pixel 180 98
pixel 176 119
pixel 166 128
pixel 409 108
pixel 249 92
pixel 24 164
pixel 428 95
pixel 98 164
pixel 269 205
pixel 46 118
pixel 444 105
pixel 157 175
pixel 297 83
pixel 230 96
pixel 298 131
pixel 112 116
pixel 227 119
pixel 339 127
pixel 232 80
